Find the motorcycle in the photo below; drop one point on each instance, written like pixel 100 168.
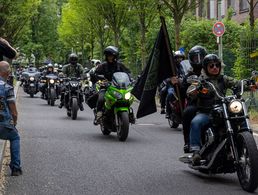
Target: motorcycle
pixel 228 144
pixel 117 111
pixel 175 117
pixel 30 85
pixel 72 96
pixel 52 88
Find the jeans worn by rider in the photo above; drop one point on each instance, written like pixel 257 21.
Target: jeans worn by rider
pixel 8 130
pixel 108 69
pixel 205 103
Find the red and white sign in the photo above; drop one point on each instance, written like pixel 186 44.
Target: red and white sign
pixel 218 29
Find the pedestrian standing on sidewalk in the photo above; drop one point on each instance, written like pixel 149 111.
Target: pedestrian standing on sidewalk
pixel 8 119
pixel 8 111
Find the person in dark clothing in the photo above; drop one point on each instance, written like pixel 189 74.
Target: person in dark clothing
pixel 195 57
pixel 107 68
pixel 205 101
pixel 50 70
pixel 73 69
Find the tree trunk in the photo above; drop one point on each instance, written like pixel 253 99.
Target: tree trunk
pixel 177 34
pixel 143 40
pixel 251 15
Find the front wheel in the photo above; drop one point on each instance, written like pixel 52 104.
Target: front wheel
pixel 172 123
pixel 52 96
pixel 123 126
pixel 247 169
pixel 32 95
pixel 74 108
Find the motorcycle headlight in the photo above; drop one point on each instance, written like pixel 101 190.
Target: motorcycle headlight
pixel 117 94
pixel 235 106
pixel 32 78
pixel 52 81
pixel 128 95
pixel 74 84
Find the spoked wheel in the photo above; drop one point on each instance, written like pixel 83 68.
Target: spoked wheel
pixel 74 108
pixel 247 170
pixel 123 126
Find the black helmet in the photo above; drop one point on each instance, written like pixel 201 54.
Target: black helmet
pixel 210 58
pixel 50 66
pixel 196 55
pixel 73 58
pixel 111 50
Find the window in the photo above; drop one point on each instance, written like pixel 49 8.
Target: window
pixel 212 9
pixel 231 3
pixel 243 5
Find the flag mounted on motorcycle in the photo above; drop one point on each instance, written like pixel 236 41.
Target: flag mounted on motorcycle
pixel 158 68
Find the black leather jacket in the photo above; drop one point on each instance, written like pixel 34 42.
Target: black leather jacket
pixel 108 69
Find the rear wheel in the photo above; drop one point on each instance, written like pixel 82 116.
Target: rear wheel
pixel 32 95
pixel 74 108
pixel 104 130
pixel 247 169
pixel 123 126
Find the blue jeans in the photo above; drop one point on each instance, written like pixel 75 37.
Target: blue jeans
pixel 170 98
pixel 198 123
pixel 11 134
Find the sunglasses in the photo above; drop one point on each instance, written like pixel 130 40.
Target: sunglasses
pixel 214 65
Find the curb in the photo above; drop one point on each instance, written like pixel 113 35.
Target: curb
pixel 3 142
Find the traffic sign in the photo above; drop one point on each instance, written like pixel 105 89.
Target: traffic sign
pixel 218 29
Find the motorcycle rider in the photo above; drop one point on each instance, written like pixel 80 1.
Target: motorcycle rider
pixel 73 69
pixel 195 56
pixel 211 72
pixel 167 91
pixel 107 68
pixel 50 70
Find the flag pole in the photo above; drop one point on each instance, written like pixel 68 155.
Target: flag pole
pixel 171 60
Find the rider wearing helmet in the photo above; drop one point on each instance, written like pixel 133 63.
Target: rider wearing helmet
pixel 73 69
pixel 205 101
pixel 107 68
pixel 49 70
pixel 195 57
pixel 167 91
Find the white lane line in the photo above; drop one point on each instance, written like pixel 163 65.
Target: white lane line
pixel 146 124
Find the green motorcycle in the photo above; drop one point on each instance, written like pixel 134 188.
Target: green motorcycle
pixel 117 112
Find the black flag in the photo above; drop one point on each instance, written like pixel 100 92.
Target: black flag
pixel 157 69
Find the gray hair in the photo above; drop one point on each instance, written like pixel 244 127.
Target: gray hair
pixel 4 66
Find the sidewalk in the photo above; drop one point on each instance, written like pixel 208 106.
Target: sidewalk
pixel 3 142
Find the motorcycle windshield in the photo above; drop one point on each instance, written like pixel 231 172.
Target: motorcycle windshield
pixel 121 80
pixel 51 76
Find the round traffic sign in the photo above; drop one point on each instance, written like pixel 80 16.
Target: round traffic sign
pixel 218 29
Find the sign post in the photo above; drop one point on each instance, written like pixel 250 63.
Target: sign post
pixel 218 30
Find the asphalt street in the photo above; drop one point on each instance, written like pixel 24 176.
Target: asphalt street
pixel 62 156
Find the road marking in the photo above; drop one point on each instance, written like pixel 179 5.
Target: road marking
pixel 146 124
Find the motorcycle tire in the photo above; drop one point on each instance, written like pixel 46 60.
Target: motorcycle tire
pixel 104 130
pixel 68 112
pixel 31 95
pixel 123 126
pixel 52 97
pixel 172 123
pixel 247 170
pixel 74 108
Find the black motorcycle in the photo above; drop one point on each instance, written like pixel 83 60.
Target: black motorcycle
pixel 51 83
pixel 228 144
pixel 73 96
pixel 30 85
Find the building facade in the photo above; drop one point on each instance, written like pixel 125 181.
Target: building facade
pixel 218 8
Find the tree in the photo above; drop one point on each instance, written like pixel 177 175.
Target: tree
pixel 252 5
pixel 178 9
pixel 146 12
